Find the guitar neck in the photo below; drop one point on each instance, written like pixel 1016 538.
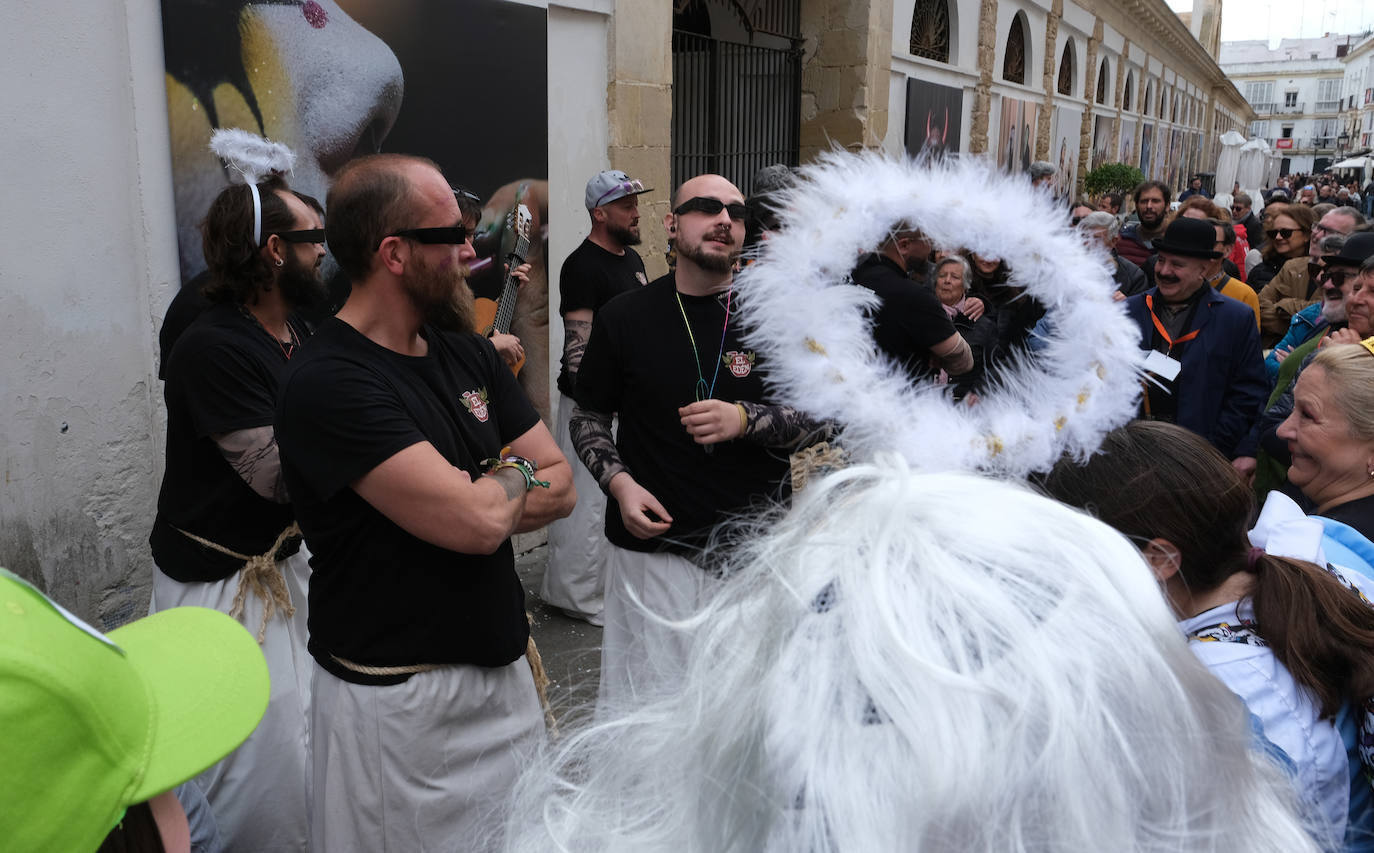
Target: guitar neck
pixel 505 311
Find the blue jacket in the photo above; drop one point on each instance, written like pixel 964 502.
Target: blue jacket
pixel 1306 323
pixel 1221 387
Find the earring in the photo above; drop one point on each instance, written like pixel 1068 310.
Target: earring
pixel 280 262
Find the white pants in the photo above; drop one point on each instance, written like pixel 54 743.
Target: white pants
pixel 425 766
pixel 575 578
pixel 260 793
pixel 641 657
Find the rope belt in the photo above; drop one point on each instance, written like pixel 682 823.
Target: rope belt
pixel 536 664
pixel 260 574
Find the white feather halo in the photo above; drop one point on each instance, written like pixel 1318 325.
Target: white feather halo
pixel 250 156
pixel 807 319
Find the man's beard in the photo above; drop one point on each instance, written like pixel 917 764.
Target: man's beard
pixel 708 262
pixel 442 296
pixel 1333 310
pixel 301 285
pixel 1149 220
pixel 624 236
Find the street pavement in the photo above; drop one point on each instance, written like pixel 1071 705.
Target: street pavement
pixel 570 648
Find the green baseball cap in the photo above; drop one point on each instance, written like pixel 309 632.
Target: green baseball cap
pixel 94 723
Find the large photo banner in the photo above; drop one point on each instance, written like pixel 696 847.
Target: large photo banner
pixel 1125 152
pixel 1017 134
pixel 1147 135
pixel 934 116
pixel 1102 141
pixel 464 84
pixel 1064 135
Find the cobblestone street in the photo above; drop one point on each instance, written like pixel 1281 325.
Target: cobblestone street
pixel 570 648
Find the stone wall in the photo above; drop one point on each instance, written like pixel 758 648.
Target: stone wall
pixel 846 66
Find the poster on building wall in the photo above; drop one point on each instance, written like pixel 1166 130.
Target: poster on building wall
pixel 1125 152
pixel 1102 140
pixel 1147 134
pixel 1016 134
pixel 335 79
pixel 1175 157
pixel 1067 130
pixel 934 118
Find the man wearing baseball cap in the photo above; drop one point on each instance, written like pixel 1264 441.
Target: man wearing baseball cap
pixel 94 724
pixel 604 266
pixel 1204 369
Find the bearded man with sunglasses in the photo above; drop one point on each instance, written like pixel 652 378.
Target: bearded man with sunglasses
pixel 411 456
pixel 224 536
pixel 1292 289
pixel 697 442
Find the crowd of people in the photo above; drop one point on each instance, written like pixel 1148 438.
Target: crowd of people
pixel 808 644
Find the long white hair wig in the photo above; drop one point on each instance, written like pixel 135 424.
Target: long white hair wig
pixel 879 674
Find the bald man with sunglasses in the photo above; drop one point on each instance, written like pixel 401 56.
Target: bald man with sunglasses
pixel 698 442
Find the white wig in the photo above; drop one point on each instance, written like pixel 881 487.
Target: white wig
pixel 880 674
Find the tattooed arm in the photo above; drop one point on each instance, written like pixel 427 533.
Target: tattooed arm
pixel 644 517
pixel 252 453
pixel 577 327
pixel 782 426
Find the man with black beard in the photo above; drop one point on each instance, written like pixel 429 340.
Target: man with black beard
pixel 1205 371
pixel 603 267
pixel 696 443
pixel 412 456
pixel 1151 205
pixel 224 536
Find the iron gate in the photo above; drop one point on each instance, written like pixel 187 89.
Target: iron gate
pixel 736 108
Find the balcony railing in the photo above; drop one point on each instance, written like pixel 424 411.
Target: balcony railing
pixel 1304 144
pixel 1328 106
pixel 1264 109
pixel 1292 108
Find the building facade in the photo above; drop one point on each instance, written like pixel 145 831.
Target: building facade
pixel 1078 84
pixel 1304 95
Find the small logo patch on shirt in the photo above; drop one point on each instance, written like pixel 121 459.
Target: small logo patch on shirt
pixel 740 363
pixel 643 279
pixel 476 403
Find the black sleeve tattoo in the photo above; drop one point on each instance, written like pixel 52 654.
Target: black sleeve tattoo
pixel 252 453
pixel 575 334
pixel 783 426
pixel 591 437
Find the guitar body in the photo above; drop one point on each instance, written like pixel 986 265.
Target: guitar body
pixel 485 318
pixel 493 317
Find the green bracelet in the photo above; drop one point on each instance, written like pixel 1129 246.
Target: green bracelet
pixel 526 467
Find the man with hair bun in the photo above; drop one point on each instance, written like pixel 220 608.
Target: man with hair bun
pixel 225 535
pixel 412 456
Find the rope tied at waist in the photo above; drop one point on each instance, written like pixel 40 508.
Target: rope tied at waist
pixel 259 573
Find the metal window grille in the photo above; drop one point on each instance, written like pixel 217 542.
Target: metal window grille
pixel 1066 69
pixel 736 108
pixel 1014 63
pixel 930 30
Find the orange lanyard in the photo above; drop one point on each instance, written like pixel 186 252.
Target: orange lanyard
pixel 1159 327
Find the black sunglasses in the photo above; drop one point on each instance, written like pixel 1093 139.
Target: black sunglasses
pixel 307 235
pixel 711 207
pixel 450 235
pixel 1281 233
pixel 1338 275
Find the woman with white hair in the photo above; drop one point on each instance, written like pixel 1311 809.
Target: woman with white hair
pixel 1104 228
pixel 874 678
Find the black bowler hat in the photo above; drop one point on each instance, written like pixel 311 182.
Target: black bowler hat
pixel 1192 238
pixel 1358 248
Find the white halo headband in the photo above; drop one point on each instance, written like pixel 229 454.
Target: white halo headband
pixel 808 320
pixel 252 158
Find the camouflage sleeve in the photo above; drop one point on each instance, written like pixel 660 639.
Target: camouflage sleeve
pixel 591 437
pixel 782 426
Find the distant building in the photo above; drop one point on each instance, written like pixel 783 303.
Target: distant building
pixel 1308 96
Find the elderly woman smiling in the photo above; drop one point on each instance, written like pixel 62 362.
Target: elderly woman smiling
pixel 1330 436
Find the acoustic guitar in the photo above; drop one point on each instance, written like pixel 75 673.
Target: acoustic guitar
pixel 494 316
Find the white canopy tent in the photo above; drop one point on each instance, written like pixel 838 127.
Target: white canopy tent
pixel 1353 163
pixel 1228 164
pixel 1252 170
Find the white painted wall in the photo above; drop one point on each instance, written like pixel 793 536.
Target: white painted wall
pixel 89 263
pixel 578 141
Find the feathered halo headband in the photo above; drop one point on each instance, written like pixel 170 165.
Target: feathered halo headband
pixel 807 317
pixel 251 158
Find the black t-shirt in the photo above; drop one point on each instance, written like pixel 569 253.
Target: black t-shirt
pixel 1358 513
pixel 911 319
pixel 188 304
pixel 379 595
pixel 640 363
pixel 590 278
pixel 222 376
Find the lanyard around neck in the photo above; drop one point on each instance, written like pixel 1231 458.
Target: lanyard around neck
pixel 1159 327
pixel 701 377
